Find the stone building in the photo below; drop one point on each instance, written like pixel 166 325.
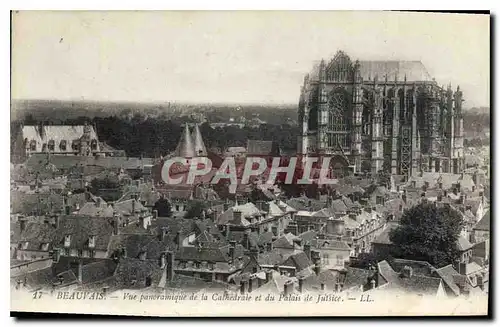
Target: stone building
pixel 373 116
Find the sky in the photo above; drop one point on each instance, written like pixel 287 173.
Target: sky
pixel 235 57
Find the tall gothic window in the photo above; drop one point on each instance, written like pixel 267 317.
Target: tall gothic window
pixel 339 110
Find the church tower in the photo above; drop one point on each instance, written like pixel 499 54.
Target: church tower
pixel 185 148
pixel 199 146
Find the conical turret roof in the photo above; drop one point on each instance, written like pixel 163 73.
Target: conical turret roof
pixel 199 146
pixel 185 148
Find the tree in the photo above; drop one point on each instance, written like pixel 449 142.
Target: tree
pixel 163 207
pixel 106 187
pixel 196 209
pixel 429 233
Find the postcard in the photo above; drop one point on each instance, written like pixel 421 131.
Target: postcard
pixel 250 163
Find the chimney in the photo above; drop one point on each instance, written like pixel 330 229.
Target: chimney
pixel 440 197
pixel 98 202
pixel 22 224
pixel 301 285
pixel 307 250
pixel 243 287
pixel 237 217
pixel 269 275
pixel 179 240
pixel 253 285
pixel 133 206
pixel 79 272
pixel 480 282
pixel 288 288
pixel 407 272
pixel 254 253
pixel 163 233
pixel 228 231
pixel 445 193
pixel 246 242
pixel 56 255
pixel 372 283
pixel 105 290
pixel 163 260
pixel 462 268
pixel 155 214
pixel 115 225
pixel 67 210
pixel 462 198
pixel 170 257
pixel 232 250
pixel 403 197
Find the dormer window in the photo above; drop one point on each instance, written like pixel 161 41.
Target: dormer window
pixel 33 145
pixel 74 146
pixel 92 242
pixel 93 144
pixel 67 241
pixel 63 145
pixel 51 145
pixel 23 245
pixel 44 247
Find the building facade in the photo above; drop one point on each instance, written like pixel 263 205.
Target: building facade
pixel 373 116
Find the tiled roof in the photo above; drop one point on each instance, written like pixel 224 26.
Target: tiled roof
pixel 99 270
pixel 256 147
pixel 201 254
pixel 81 228
pixel 357 277
pixel 132 273
pixel 96 210
pixel 414 71
pixel 330 244
pixel 415 284
pixel 484 223
pixel 298 260
pixel 274 257
pixel 42 278
pixel 446 274
pixel 463 244
pixel 383 237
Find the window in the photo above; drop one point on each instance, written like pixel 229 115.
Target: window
pixel 80 253
pixel 74 146
pixel 92 242
pixel 51 145
pixel 67 241
pixel 63 145
pixel 148 281
pixel 45 247
pixel 326 259
pixel 92 253
pixel 93 144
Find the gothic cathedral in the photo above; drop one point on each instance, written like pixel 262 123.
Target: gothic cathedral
pixel 373 116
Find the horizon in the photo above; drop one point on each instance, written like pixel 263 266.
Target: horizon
pixel 233 58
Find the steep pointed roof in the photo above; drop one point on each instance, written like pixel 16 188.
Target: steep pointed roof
pixel 185 148
pixel 199 146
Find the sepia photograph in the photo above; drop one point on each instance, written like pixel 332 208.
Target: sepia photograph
pixel 250 163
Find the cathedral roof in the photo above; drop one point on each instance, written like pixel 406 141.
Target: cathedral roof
pixel 185 148
pixel 414 71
